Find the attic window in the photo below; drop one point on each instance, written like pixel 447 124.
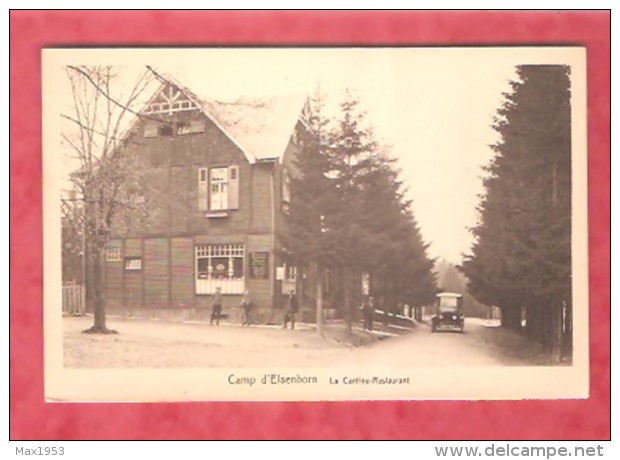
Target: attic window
pixel 164 130
pixel 182 128
pixel 192 126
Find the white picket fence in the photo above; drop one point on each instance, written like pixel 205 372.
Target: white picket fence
pixel 73 299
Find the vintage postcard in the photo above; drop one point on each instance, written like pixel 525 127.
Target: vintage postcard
pixel 305 224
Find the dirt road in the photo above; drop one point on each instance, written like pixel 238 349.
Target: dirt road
pixel 482 344
pixel 156 344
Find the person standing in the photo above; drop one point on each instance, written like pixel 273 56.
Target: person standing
pixel 216 305
pixel 291 309
pixel 368 309
pixel 246 304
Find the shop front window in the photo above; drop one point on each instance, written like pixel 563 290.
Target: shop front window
pixel 222 266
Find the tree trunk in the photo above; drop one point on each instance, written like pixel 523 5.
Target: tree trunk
pixel 386 305
pixel 504 317
pixel 556 333
pixel 99 325
pixel 88 279
pixel 347 298
pixel 318 279
pixel 533 322
pixel 518 320
pixel 546 330
pixel 511 317
pixel 567 341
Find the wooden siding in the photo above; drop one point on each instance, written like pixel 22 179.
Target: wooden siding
pixel 134 287
pixel 133 247
pixel 180 205
pixel 262 198
pixel 114 277
pixel 166 243
pixel 114 284
pixel 289 164
pixel 171 164
pixel 182 272
pixel 157 221
pixel 156 276
pixel 261 290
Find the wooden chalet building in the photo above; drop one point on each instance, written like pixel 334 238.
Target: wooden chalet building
pixel 219 171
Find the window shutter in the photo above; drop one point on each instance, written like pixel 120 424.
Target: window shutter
pixel 203 189
pixel 233 187
pixel 150 130
pixel 196 126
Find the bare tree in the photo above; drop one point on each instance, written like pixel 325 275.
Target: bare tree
pixel 107 182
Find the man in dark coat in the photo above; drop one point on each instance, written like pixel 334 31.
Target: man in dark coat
pixel 368 308
pixel 246 304
pixel 216 305
pixel 291 309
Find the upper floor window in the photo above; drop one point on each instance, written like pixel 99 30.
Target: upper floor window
pixel 218 188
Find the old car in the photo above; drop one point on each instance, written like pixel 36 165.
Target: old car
pixel 448 312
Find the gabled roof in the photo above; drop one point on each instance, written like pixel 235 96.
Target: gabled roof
pixel 261 128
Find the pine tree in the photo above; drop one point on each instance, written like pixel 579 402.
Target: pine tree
pixel 395 254
pixel 350 154
pixel 522 257
pixel 348 213
pixel 306 240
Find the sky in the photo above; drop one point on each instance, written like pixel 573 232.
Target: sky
pixel 433 106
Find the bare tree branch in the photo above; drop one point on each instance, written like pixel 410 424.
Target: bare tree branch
pixel 114 101
pixel 93 130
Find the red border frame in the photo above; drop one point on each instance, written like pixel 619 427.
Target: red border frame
pixel 32 418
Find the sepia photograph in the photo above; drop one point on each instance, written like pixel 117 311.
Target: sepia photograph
pixel 302 224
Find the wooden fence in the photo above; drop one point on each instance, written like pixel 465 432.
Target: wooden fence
pixel 73 299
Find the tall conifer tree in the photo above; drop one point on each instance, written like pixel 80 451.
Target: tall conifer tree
pixel 522 257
